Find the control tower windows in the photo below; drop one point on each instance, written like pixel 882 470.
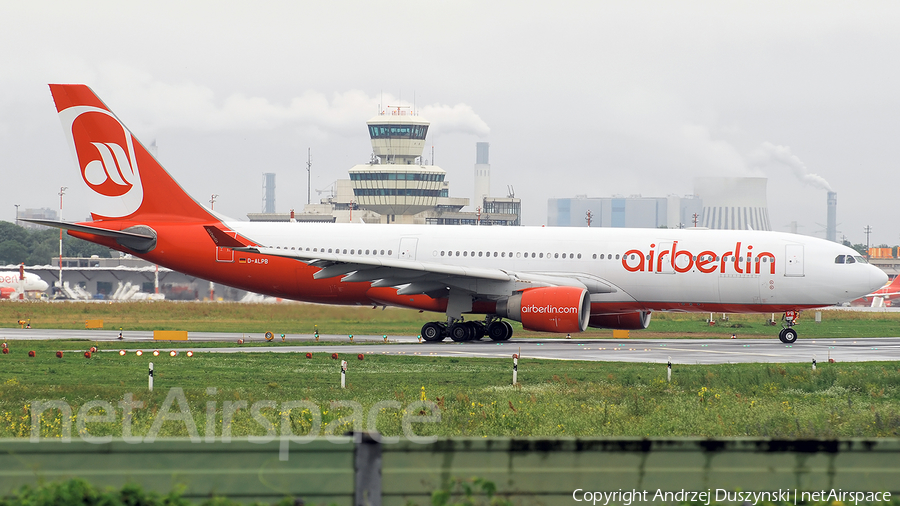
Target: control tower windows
pixel 417 132
pixel 395 176
pixel 395 192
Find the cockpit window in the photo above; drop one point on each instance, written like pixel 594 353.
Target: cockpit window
pixel 839 259
pixel 850 259
pixel 861 260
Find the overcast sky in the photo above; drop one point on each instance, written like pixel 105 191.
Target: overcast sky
pixel 575 98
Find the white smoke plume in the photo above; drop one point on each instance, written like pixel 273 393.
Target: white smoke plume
pixel 156 104
pixel 773 154
pixel 459 118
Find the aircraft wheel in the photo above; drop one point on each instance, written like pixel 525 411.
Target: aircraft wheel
pixel 432 332
pixel 788 336
pixel 477 330
pixel 497 331
pixel 509 331
pixel 460 332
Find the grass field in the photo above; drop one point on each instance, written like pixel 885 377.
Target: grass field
pixel 293 318
pixel 474 396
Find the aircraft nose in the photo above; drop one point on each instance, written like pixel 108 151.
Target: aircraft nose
pixel 42 285
pixel 877 278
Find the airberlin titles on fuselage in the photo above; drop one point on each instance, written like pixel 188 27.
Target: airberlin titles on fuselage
pixel 683 260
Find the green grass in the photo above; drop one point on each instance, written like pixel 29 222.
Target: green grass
pixel 474 396
pixel 293 318
pixel 835 324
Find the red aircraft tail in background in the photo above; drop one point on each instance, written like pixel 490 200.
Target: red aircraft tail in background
pixel 880 297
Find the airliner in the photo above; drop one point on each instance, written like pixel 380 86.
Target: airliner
pixel 14 283
pixel 560 280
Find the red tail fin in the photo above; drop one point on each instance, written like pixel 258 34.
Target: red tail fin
pixel 895 284
pixel 124 177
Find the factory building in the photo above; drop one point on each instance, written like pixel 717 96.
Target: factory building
pixel 34 214
pixel 723 203
pixel 623 212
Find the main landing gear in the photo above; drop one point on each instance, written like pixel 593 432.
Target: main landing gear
pixel 788 335
pixel 461 331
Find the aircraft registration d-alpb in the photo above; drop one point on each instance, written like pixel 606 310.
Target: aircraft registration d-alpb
pixel 549 279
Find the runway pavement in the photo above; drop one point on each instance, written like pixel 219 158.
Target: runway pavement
pixel 679 351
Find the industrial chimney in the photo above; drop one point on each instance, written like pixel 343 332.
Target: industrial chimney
pixel 268 193
pixel 831 223
pixel 482 173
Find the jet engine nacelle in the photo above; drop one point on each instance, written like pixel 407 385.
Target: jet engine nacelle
pixel 624 321
pixel 548 309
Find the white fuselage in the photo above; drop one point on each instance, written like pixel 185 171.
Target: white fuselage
pixel 32 282
pixel 771 269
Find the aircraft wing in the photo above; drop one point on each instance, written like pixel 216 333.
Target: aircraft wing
pixel 430 278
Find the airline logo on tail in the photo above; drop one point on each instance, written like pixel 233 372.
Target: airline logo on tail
pixel 104 149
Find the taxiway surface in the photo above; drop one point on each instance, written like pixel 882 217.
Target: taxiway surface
pixel 679 351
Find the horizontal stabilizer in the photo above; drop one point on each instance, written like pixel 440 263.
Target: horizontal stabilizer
pixel 140 238
pixel 87 229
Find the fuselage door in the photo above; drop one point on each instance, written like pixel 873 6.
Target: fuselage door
pixel 662 261
pixel 793 260
pixel 408 248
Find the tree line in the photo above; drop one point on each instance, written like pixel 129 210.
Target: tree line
pixel 37 247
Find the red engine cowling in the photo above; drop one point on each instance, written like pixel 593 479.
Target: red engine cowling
pixel 6 293
pixel 549 309
pixel 623 321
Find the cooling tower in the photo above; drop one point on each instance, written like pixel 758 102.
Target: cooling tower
pixel 733 203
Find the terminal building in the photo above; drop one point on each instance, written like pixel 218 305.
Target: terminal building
pixel 124 277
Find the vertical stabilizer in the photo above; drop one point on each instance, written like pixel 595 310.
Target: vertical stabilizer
pixel 125 180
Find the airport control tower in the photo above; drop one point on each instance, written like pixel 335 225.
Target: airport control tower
pixel 395 183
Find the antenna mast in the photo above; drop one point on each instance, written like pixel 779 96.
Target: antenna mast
pixel 308 176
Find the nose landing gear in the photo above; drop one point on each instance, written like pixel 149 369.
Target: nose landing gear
pixel 788 335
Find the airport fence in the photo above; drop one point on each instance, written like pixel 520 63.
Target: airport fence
pixel 359 470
